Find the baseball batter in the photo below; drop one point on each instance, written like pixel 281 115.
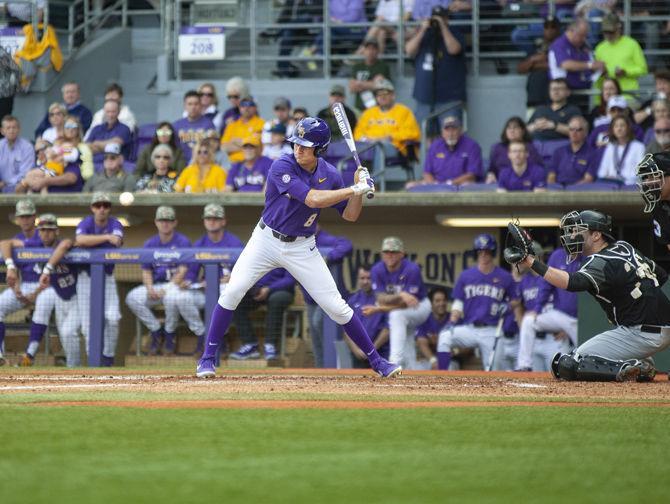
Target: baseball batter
pixel 626 284
pixel 479 299
pixel 549 323
pixel 189 299
pixel 22 280
pixel 298 187
pixel 158 278
pixel 100 230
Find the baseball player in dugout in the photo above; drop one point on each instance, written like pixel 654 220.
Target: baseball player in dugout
pixel 626 284
pixel 299 185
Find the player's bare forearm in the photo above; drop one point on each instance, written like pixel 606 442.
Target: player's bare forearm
pixel 326 198
pixel 424 347
pixel 179 276
pixel 455 316
pixel 353 209
pixel 60 251
pixel 6 247
pixel 148 279
pixel 390 301
pixel 90 240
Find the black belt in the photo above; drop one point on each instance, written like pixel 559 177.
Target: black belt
pixel 651 329
pixel 481 324
pixel 278 235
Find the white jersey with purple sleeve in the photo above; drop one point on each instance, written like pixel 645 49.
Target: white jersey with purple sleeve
pixel 89 227
pixel 229 240
pixel 30 272
pixel 483 294
pixel 164 267
pixel 407 278
pixel 287 187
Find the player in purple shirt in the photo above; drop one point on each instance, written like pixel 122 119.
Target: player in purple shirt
pixel 189 299
pixel 100 230
pixel 298 187
pixel 553 313
pixel 427 333
pixel 375 322
pixel 401 292
pixel 194 127
pixel 250 174
pixel 158 278
pixel 479 299
pixel 521 176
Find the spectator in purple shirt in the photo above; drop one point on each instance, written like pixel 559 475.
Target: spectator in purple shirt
pixel 514 130
pixel 573 163
pixel 453 159
pixel 111 131
pixel 194 127
pixel 521 176
pixel 276 289
pixel 249 175
pixel 236 88
pixel 550 122
pixel 428 332
pixel 343 39
pixel 16 154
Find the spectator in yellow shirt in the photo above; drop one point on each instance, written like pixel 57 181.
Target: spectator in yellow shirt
pixel 248 124
pixel 388 121
pixel 203 175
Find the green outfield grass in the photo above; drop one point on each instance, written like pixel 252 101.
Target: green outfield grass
pixel 500 454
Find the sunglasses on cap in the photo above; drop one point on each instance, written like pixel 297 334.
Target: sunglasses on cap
pixel 164 132
pixel 102 204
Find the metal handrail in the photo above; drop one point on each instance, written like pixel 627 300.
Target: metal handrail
pixel 424 125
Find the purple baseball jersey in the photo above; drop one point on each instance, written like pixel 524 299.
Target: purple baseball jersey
pixel 287 187
pixel 30 272
pixel 375 322
pixel 162 268
pixel 562 300
pixel 446 164
pixel 88 227
pixel 529 290
pixel 243 179
pixel 532 177
pixel 189 132
pixel 406 278
pixel 64 280
pixel 561 50
pixel 105 132
pixel 432 326
pixel 229 240
pixel 570 167
pixel 276 279
pixel 498 158
pixel 483 294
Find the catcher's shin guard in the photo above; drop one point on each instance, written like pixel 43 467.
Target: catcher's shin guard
pixel 594 368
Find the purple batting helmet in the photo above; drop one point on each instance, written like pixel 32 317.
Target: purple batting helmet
pixel 311 132
pixel 485 241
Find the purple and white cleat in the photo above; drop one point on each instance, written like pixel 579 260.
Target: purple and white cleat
pixel 386 369
pixel 205 368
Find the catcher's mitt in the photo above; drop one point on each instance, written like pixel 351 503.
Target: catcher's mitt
pixel 518 245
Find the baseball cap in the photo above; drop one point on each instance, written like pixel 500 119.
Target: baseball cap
pixel 384 85
pixel 214 210
pixel 338 89
pixel 610 22
pixel 100 197
pixel 47 221
pixel 251 140
pixel 25 207
pixel 392 244
pixel 371 42
pixel 282 102
pixel 113 148
pixel 165 213
pixel 247 101
pixel 551 21
pixel 278 128
pixel 617 101
pixel 451 122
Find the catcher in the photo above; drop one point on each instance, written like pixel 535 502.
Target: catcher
pixel 624 282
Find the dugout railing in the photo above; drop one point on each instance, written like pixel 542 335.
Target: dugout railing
pixel 210 258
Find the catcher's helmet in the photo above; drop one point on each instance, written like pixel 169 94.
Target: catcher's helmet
pixel 651 173
pixel 574 224
pixel 485 241
pixel 311 132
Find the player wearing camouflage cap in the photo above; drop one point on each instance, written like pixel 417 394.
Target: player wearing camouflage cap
pixel 100 230
pixel 158 279
pixel 189 299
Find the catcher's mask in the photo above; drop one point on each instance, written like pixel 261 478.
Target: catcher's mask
pixel 650 179
pixel 574 226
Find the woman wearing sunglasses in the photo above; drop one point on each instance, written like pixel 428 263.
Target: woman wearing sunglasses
pixel 73 139
pixel 203 175
pixel 162 180
pixel 164 135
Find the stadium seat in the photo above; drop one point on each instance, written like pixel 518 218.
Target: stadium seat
pixel 432 188
pixel 144 136
pixel 628 188
pixel 593 186
pixel 479 187
pixel 555 187
pixel 547 148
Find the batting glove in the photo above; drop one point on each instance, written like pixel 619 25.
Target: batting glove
pixel 363 186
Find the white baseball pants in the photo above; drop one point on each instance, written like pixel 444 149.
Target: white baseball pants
pixel 187 303
pixel 68 323
pixel 402 326
pixel 468 336
pixel 140 304
pixel 43 304
pixel 551 321
pixel 112 311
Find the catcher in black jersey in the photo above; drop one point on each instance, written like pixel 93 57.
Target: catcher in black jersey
pixel 626 284
pixel 655 190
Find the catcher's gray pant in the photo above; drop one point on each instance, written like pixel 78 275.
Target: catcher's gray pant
pixel 68 323
pixel 623 343
pixel 506 353
pixel 551 321
pixel 187 303
pixel 140 304
pixel 545 349
pixel 468 336
pixel 112 311
pixel 402 326
pixel 44 302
